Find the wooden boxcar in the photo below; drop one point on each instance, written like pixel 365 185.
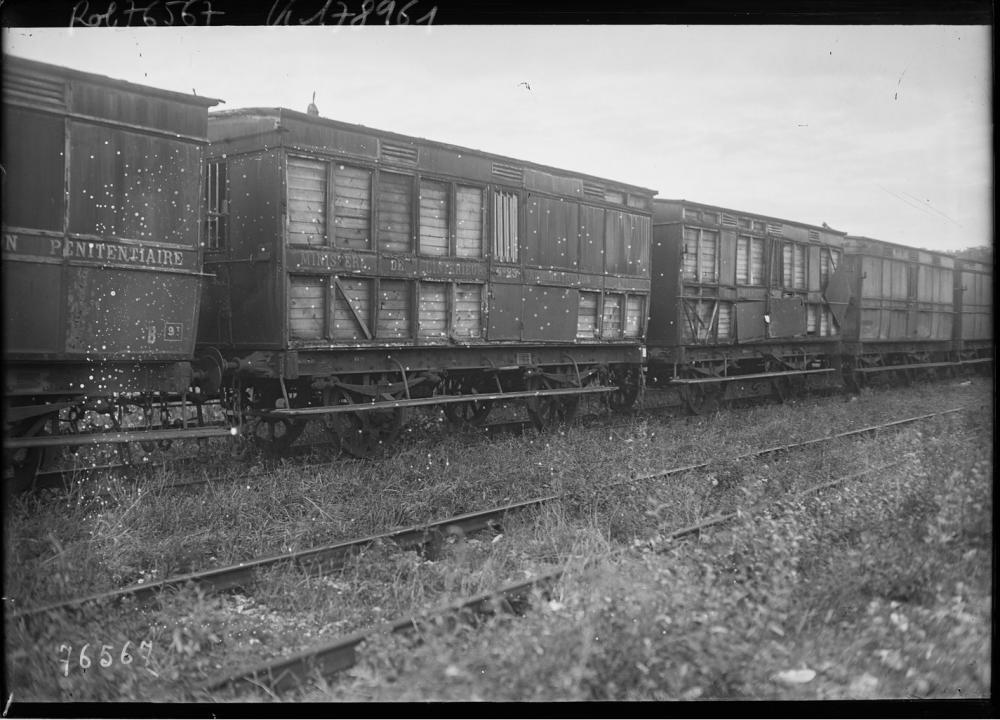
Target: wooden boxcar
pixel 904 306
pixel 914 309
pixel 101 229
pixel 974 311
pixel 742 304
pixel 365 265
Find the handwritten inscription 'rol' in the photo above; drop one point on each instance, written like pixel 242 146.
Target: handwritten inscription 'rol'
pixel 168 13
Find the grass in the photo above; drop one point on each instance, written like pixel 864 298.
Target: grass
pixel 64 544
pixel 877 589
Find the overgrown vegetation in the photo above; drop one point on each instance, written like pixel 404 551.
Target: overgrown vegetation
pixel 797 569
pixel 879 588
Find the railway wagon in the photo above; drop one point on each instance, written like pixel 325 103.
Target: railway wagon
pixel 974 312
pixel 743 304
pixel 101 256
pixel 361 272
pixel 908 315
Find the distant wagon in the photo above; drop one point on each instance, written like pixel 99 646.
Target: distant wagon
pixel 914 309
pixel 360 272
pixel 742 304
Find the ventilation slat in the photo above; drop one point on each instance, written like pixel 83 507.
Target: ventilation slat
pixel 508 172
pixel 404 154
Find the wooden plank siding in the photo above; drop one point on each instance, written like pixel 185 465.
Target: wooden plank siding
pixel 468 221
pixel 468 317
pixel 432 311
pixel 306 313
pixel 352 207
pixel 307 198
pixel 352 304
pixel 635 315
pixel 394 309
pixel 395 200
pixel 586 319
pixel 434 216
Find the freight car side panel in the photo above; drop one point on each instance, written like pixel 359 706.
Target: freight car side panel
pixel 903 294
pixel 31 328
pixel 34 183
pixel 129 185
pixel 974 298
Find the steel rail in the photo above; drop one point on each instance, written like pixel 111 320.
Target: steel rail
pixel 325 558
pixel 432 400
pixel 330 557
pixel 341 654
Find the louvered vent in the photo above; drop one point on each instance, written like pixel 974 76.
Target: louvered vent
pixel 728 220
pixel 775 229
pixel 593 190
pixel 814 235
pixel 406 155
pixel 935 260
pixel 508 172
pixel 34 90
pixel 914 255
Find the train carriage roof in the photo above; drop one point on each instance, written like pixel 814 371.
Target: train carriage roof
pixel 277 114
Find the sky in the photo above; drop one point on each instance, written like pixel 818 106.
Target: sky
pixel 884 131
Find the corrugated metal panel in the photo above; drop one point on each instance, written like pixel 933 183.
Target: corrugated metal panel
pixel 307 199
pixel 352 205
pixel 434 217
pixel 586 318
pixel 469 216
pixel 306 312
pixel 432 311
pixel 468 322
pixel 352 309
pixel 394 204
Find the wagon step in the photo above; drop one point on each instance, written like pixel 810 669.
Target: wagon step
pixel 752 376
pixel 433 400
pixel 119 437
pixel 914 366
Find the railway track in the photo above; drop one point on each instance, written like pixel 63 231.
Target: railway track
pixel 341 654
pixel 330 557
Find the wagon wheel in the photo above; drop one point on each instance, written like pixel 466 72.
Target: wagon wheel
pixel 702 398
pixel 626 391
pixel 275 436
pixel 465 413
pixel 365 435
pixel 551 409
